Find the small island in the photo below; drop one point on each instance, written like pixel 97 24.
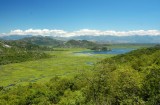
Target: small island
pixel 100 48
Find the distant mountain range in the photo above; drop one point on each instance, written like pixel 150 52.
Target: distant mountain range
pixel 52 42
pixel 103 39
pixel 120 39
pixel 14 37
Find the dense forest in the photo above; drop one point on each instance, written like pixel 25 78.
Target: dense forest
pixel 126 79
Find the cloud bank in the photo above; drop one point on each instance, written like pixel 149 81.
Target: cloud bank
pixel 62 33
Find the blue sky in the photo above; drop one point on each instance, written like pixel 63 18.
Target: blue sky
pixel 72 15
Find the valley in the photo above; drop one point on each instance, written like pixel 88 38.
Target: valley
pixel 79 52
pixel 74 73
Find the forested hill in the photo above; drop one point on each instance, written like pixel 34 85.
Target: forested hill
pixel 48 41
pixel 136 55
pixel 128 79
pixel 80 43
pixel 17 51
pixel 39 40
pixel 39 43
pixel 131 78
pixel 26 45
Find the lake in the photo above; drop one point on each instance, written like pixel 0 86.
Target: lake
pixel 113 51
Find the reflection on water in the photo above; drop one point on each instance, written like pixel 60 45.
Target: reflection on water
pixel 113 51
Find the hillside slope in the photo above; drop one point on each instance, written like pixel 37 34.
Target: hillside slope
pixel 14 52
pixel 43 41
pixel 80 43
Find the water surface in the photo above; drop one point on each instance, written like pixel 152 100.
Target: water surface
pixel 113 51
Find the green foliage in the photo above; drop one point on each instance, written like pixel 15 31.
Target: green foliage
pixel 151 86
pixel 72 98
pixel 62 91
pixel 127 79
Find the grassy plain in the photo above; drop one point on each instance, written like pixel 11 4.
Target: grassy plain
pixel 64 62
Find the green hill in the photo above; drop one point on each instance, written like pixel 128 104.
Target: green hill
pixel 45 41
pixel 17 51
pixel 126 79
pixel 27 45
pixel 80 43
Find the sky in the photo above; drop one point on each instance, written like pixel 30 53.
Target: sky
pixel 77 17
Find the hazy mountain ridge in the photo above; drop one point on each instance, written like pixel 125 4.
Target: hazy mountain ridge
pixel 121 39
pixel 102 38
pixel 14 37
pixel 50 41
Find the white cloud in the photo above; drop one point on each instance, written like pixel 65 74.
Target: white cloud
pixel 62 33
pixel 43 32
